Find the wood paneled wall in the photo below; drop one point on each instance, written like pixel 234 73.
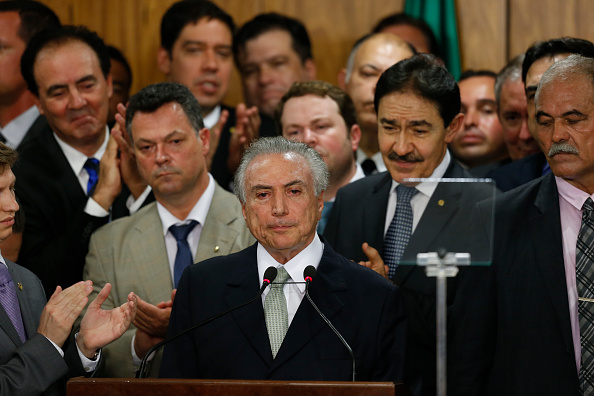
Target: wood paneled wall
pixel 491 32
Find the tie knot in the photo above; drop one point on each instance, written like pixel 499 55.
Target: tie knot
pixel 404 193
pixel 91 164
pixel 5 277
pixel 282 276
pixel 181 232
pixel 588 205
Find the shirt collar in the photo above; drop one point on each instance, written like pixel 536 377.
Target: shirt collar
pixel 311 255
pixel 428 188
pixel 571 193
pixel 198 212
pixel 15 131
pixel 75 158
pixel 212 118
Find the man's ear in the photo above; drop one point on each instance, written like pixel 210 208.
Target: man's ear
pixel 454 127
pixel 310 69
pixel 38 104
pixel 164 61
pixel 355 136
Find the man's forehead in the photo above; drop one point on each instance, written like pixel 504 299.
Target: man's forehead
pixel 384 46
pixel 199 30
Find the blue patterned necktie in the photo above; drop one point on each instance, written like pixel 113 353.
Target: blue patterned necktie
pixel 10 302
pixel 183 257
pixel 400 228
pixel 275 311
pixel 584 263
pixel 92 168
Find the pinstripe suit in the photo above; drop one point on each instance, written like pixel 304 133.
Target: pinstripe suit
pixel 130 254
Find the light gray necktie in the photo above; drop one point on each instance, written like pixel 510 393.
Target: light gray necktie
pixel 275 311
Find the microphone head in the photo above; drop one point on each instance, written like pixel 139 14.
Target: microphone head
pixel 270 275
pixel 308 273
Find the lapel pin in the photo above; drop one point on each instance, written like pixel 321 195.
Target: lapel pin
pixel 441 202
pixel 20 286
pixel 217 248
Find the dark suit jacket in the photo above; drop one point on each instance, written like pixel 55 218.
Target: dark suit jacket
pixel 34 131
pixel 358 216
pixel 518 172
pixel 219 169
pixel 57 230
pixel 32 367
pixel 364 307
pixel 531 337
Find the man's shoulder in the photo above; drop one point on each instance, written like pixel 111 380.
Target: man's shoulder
pixel 367 184
pixel 119 228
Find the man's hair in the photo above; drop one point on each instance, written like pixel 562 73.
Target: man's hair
pixel 35 17
pixel 8 157
pixel 510 72
pixel 56 38
pixel 422 75
pixel 116 54
pixel 477 73
pixel 322 89
pixel 550 48
pixel 565 69
pixel 265 23
pixel 351 59
pixel 401 18
pixel 186 12
pixel 280 145
pixel 151 98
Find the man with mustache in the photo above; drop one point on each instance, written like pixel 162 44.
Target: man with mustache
pixel 479 146
pixel 323 117
pixel 145 252
pixel 539 336
pixel 196 51
pixel 383 216
pixel 539 57
pixel 71 178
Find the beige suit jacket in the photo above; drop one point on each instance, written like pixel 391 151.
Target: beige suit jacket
pixel 130 254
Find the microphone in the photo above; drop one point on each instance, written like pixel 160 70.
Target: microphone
pixel 269 277
pixel 308 274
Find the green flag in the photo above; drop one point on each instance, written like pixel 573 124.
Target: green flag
pixel 441 16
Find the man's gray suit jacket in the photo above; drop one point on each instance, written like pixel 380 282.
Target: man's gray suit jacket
pixel 35 366
pixel 130 254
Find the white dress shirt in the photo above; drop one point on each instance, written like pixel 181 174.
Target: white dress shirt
pixel 198 213
pixel 14 132
pixel 294 292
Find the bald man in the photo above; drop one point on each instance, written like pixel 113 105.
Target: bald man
pixel 370 56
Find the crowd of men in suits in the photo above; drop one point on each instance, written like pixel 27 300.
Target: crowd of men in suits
pixel 130 206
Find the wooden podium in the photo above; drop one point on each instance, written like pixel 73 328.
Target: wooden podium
pixel 157 387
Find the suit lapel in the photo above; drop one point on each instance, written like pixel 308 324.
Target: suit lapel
pixel 374 212
pixel 545 228
pixel 151 256
pixel 216 231
pixel 325 292
pixel 28 321
pixel 442 206
pixel 243 286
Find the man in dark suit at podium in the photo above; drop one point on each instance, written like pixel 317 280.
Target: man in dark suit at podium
pixel 281 337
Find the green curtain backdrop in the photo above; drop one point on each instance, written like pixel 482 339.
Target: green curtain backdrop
pixel 441 16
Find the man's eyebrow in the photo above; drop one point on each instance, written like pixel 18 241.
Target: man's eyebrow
pixel 267 187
